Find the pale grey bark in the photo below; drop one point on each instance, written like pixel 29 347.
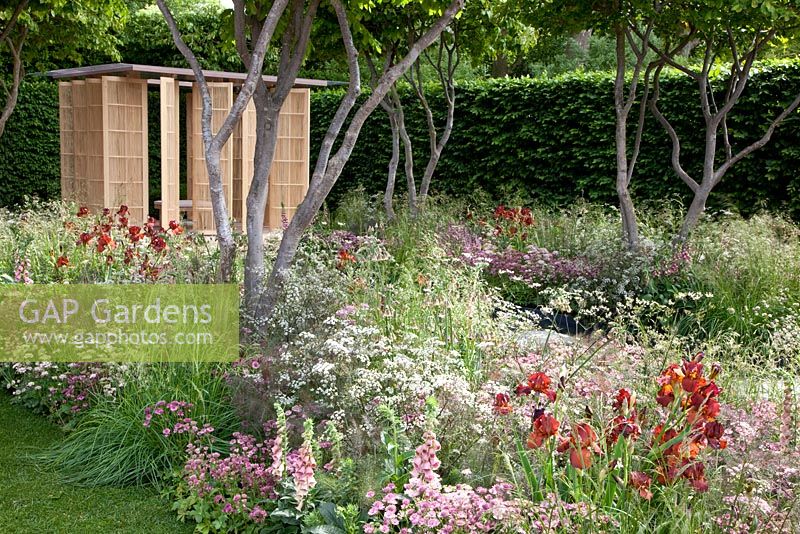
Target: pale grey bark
pixel 268 104
pixel 715 121
pixel 445 65
pixel 623 104
pixel 15 48
pixel 329 168
pixel 12 94
pixel 408 149
pixel 388 105
pixel 394 162
pixel 214 142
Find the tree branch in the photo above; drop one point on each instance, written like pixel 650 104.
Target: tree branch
pixel 757 144
pixel 637 69
pixel 297 49
pixel 316 195
pixel 743 76
pixel 386 103
pixel 325 180
pixel 248 86
pixel 9 27
pixel 668 55
pixel 736 64
pixel 676 143
pixel 350 97
pixel 11 99
pixel 637 142
pixel 240 33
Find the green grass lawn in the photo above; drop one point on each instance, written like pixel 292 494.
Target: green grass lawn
pixel 36 501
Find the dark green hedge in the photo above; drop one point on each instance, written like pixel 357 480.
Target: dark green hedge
pixel 517 139
pixel 553 141
pixel 29 149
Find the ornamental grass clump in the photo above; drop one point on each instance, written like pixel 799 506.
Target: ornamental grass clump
pixel 116 443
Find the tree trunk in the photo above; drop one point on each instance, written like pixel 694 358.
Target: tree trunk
pixel 408 152
pixel 227 246
pixel 268 104
pixel 696 209
pixel 328 168
pixel 388 195
pixel 266 142
pixel 16 79
pixel 430 168
pixel 630 228
pixel 445 64
pixel 701 194
pixel 214 142
pixel 11 98
pixel 437 147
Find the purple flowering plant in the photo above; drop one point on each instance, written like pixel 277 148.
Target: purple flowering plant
pixel 258 484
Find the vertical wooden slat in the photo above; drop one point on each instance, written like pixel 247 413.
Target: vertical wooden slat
pixel 125 145
pixel 244 151
pixel 104 90
pixel 222 100
pixel 93 149
pixel 79 135
pixel 201 205
pixel 189 147
pixel 289 177
pixel 67 141
pixel 145 184
pixel 170 150
pixel 236 208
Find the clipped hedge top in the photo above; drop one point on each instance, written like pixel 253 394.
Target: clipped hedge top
pixel 525 140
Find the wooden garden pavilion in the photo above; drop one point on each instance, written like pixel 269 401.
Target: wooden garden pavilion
pixel 103 111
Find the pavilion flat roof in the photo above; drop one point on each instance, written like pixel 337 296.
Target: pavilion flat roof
pixel 154 71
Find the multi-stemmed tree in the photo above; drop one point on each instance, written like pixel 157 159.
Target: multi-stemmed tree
pixel 256 24
pixel 630 23
pixel 694 37
pixel 729 33
pixel 390 37
pixel 329 167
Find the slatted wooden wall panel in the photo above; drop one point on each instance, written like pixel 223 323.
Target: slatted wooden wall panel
pixel 288 182
pixel 189 156
pixel 236 207
pixel 170 150
pixel 243 152
pixel 66 128
pixel 79 142
pixel 125 140
pixel 88 144
pixel 222 100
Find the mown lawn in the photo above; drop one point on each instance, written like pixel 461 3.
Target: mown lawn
pixel 34 500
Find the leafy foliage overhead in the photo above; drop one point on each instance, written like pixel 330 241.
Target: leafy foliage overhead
pixel 63 33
